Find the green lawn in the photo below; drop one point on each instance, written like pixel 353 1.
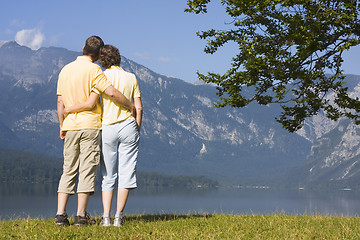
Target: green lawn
pixel 192 226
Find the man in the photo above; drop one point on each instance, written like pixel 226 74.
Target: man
pixel 81 131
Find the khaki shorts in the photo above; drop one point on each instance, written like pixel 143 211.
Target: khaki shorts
pixel 81 156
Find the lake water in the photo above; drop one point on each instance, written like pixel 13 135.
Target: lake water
pixel 41 202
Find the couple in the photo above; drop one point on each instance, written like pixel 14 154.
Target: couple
pixel 80 117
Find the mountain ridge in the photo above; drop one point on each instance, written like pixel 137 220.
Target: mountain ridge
pixel 182 133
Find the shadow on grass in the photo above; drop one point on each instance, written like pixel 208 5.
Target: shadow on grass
pixel 165 217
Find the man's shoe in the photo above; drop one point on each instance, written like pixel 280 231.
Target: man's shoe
pixel 105 222
pixel 62 220
pixel 119 221
pixel 83 221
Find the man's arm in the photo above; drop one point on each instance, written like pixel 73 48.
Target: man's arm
pixel 83 106
pixel 138 107
pixel 120 99
pixel 60 112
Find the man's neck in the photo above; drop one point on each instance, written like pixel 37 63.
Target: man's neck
pixel 91 59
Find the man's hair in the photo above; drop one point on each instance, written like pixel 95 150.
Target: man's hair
pixel 109 56
pixel 92 46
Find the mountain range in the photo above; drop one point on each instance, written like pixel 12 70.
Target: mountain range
pixel 182 132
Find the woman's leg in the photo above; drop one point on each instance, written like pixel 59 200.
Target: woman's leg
pixel 127 152
pixel 106 200
pixel 122 197
pixel 108 165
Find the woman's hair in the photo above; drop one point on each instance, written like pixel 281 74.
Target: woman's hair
pixel 109 56
pixel 92 46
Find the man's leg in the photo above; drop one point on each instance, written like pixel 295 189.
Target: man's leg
pixel 89 159
pixel 83 199
pixel 62 202
pixel 68 177
pixel 82 218
pixel 61 218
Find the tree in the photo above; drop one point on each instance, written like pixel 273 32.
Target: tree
pixel 290 53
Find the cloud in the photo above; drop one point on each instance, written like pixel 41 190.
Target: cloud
pixel 16 22
pixel 147 56
pixel 54 40
pixel 9 31
pixel 31 38
pixel 143 55
pixel 164 59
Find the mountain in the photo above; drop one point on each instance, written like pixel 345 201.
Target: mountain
pixel 333 161
pixel 182 133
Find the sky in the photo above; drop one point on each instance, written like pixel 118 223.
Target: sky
pixel 157 34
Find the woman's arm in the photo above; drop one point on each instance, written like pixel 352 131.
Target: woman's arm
pixel 138 107
pixel 83 106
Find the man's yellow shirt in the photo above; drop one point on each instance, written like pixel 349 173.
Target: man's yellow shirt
pixel 76 81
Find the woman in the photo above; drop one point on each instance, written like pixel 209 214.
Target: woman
pixel 120 134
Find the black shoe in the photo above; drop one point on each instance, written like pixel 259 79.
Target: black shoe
pixel 62 220
pixel 82 221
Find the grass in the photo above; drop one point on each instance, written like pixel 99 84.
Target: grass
pixel 192 226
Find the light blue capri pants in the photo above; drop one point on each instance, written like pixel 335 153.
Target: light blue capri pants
pixel 120 146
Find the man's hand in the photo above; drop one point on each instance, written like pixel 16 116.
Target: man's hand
pixel 62 135
pixel 133 110
pixel 60 112
pixel 119 98
pixel 66 111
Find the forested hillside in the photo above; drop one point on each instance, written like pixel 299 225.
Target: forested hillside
pixel 24 167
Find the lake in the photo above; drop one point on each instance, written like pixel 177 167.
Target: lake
pixel 40 202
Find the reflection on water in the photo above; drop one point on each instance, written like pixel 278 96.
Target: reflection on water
pixel 40 200
pixel 27 189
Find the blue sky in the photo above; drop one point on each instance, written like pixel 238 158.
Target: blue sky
pixel 157 34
